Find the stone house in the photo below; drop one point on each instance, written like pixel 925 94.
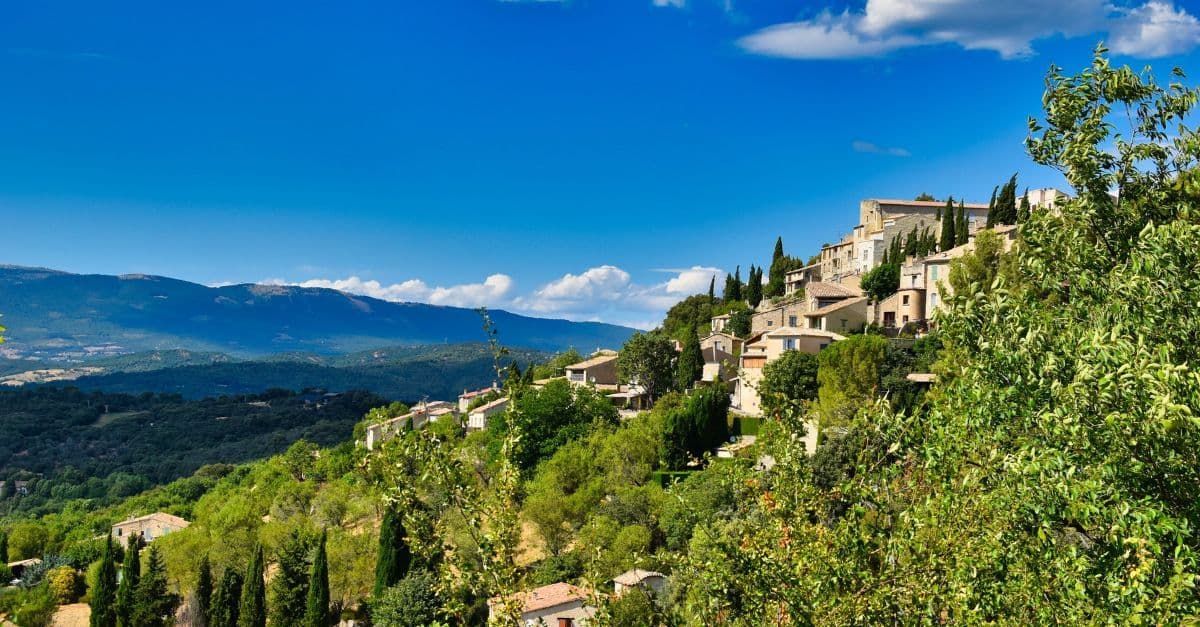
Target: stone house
pixel 763 349
pixel 555 605
pixel 148 528
pixel 599 370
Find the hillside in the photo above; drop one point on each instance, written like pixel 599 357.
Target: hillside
pixel 400 373
pixel 62 316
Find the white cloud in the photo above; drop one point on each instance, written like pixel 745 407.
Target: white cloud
pixel 875 149
pixel 1007 27
pixel 1156 29
pixel 603 293
pixel 495 290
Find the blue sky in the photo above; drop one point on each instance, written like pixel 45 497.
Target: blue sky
pixel 589 159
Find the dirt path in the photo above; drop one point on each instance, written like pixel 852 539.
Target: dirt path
pixel 74 615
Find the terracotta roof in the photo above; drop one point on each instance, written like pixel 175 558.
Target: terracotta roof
pixel 479 392
pixel 157 516
pixel 925 203
pixel 835 306
pixel 548 596
pixel 635 576
pixel 594 361
pixel 822 289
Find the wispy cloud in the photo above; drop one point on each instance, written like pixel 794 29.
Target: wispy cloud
pixel 875 149
pixel 1155 28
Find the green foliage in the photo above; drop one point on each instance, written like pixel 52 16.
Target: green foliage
pixel 316 613
pixel 65 584
pixel 697 427
pixel 394 557
pixel 733 286
pixel 104 591
pixel 226 600
pixel 882 280
pixel 780 264
pixel 925 197
pixel 700 499
pixel 34 607
pixel 551 417
pixel 975 271
pixel 849 375
pixel 412 602
pixel 754 287
pixel 131 570
pixel 690 366
pixel 155 604
pixel 693 312
pixel 204 592
pixel 946 241
pixel 252 609
pixel 790 378
pixel 289 584
pixel 648 359
pixel 634 608
pixel 962 228
pixel 26 540
pixel 739 323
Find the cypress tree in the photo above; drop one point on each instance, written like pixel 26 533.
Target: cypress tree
pixel 1025 211
pixel 991 219
pixel 289 586
pixel 910 243
pixel 154 604
pixel 394 557
pixel 754 289
pixel 131 571
pixel 204 592
pixel 690 366
pixel 1006 203
pixel 3 547
pixel 737 284
pixel 712 291
pixel 776 275
pixel 252 610
pixel 316 614
pixel 961 230
pixel 946 241
pixel 225 601
pixel 104 594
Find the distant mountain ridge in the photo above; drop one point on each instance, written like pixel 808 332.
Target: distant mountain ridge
pixel 57 315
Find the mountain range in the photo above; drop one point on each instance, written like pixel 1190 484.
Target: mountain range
pixel 65 317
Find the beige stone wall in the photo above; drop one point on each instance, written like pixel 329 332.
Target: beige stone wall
pixel 778 317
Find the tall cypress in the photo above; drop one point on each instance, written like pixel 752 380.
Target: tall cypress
pixel 961 230
pixel 737 285
pixel 991 219
pixel 777 274
pixel 154 604
pixel 104 594
pixel 316 613
pixel 225 601
pixel 131 571
pixel 910 243
pixel 204 592
pixel 394 557
pixel 690 366
pixel 946 241
pixel 754 288
pixel 712 291
pixel 289 585
pixel 3 547
pixel 1025 210
pixel 252 611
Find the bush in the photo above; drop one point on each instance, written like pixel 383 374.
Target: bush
pixel 65 584
pixel 35 607
pixel 410 603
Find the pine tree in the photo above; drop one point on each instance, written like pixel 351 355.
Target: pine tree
pixel 961 230
pixel 131 571
pixel 316 613
pixel 777 275
pixel 104 593
pixel 946 241
pixel 225 601
pixel 394 557
pixel 690 366
pixel 289 586
pixel 154 605
pixel 252 610
pixel 204 591
pixel 754 288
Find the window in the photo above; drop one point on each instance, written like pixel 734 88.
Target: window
pixel 789 344
pixel 791 321
pixel 905 299
pixel 720 345
pixel 933 272
pixel 843 323
pixel 904 320
pixel 933 300
pixel 770 323
pixel 822 347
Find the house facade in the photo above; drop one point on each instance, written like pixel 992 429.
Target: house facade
pixel 477 419
pixel 648 580
pixel 765 348
pixel 148 528
pixel 421 415
pixel 599 370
